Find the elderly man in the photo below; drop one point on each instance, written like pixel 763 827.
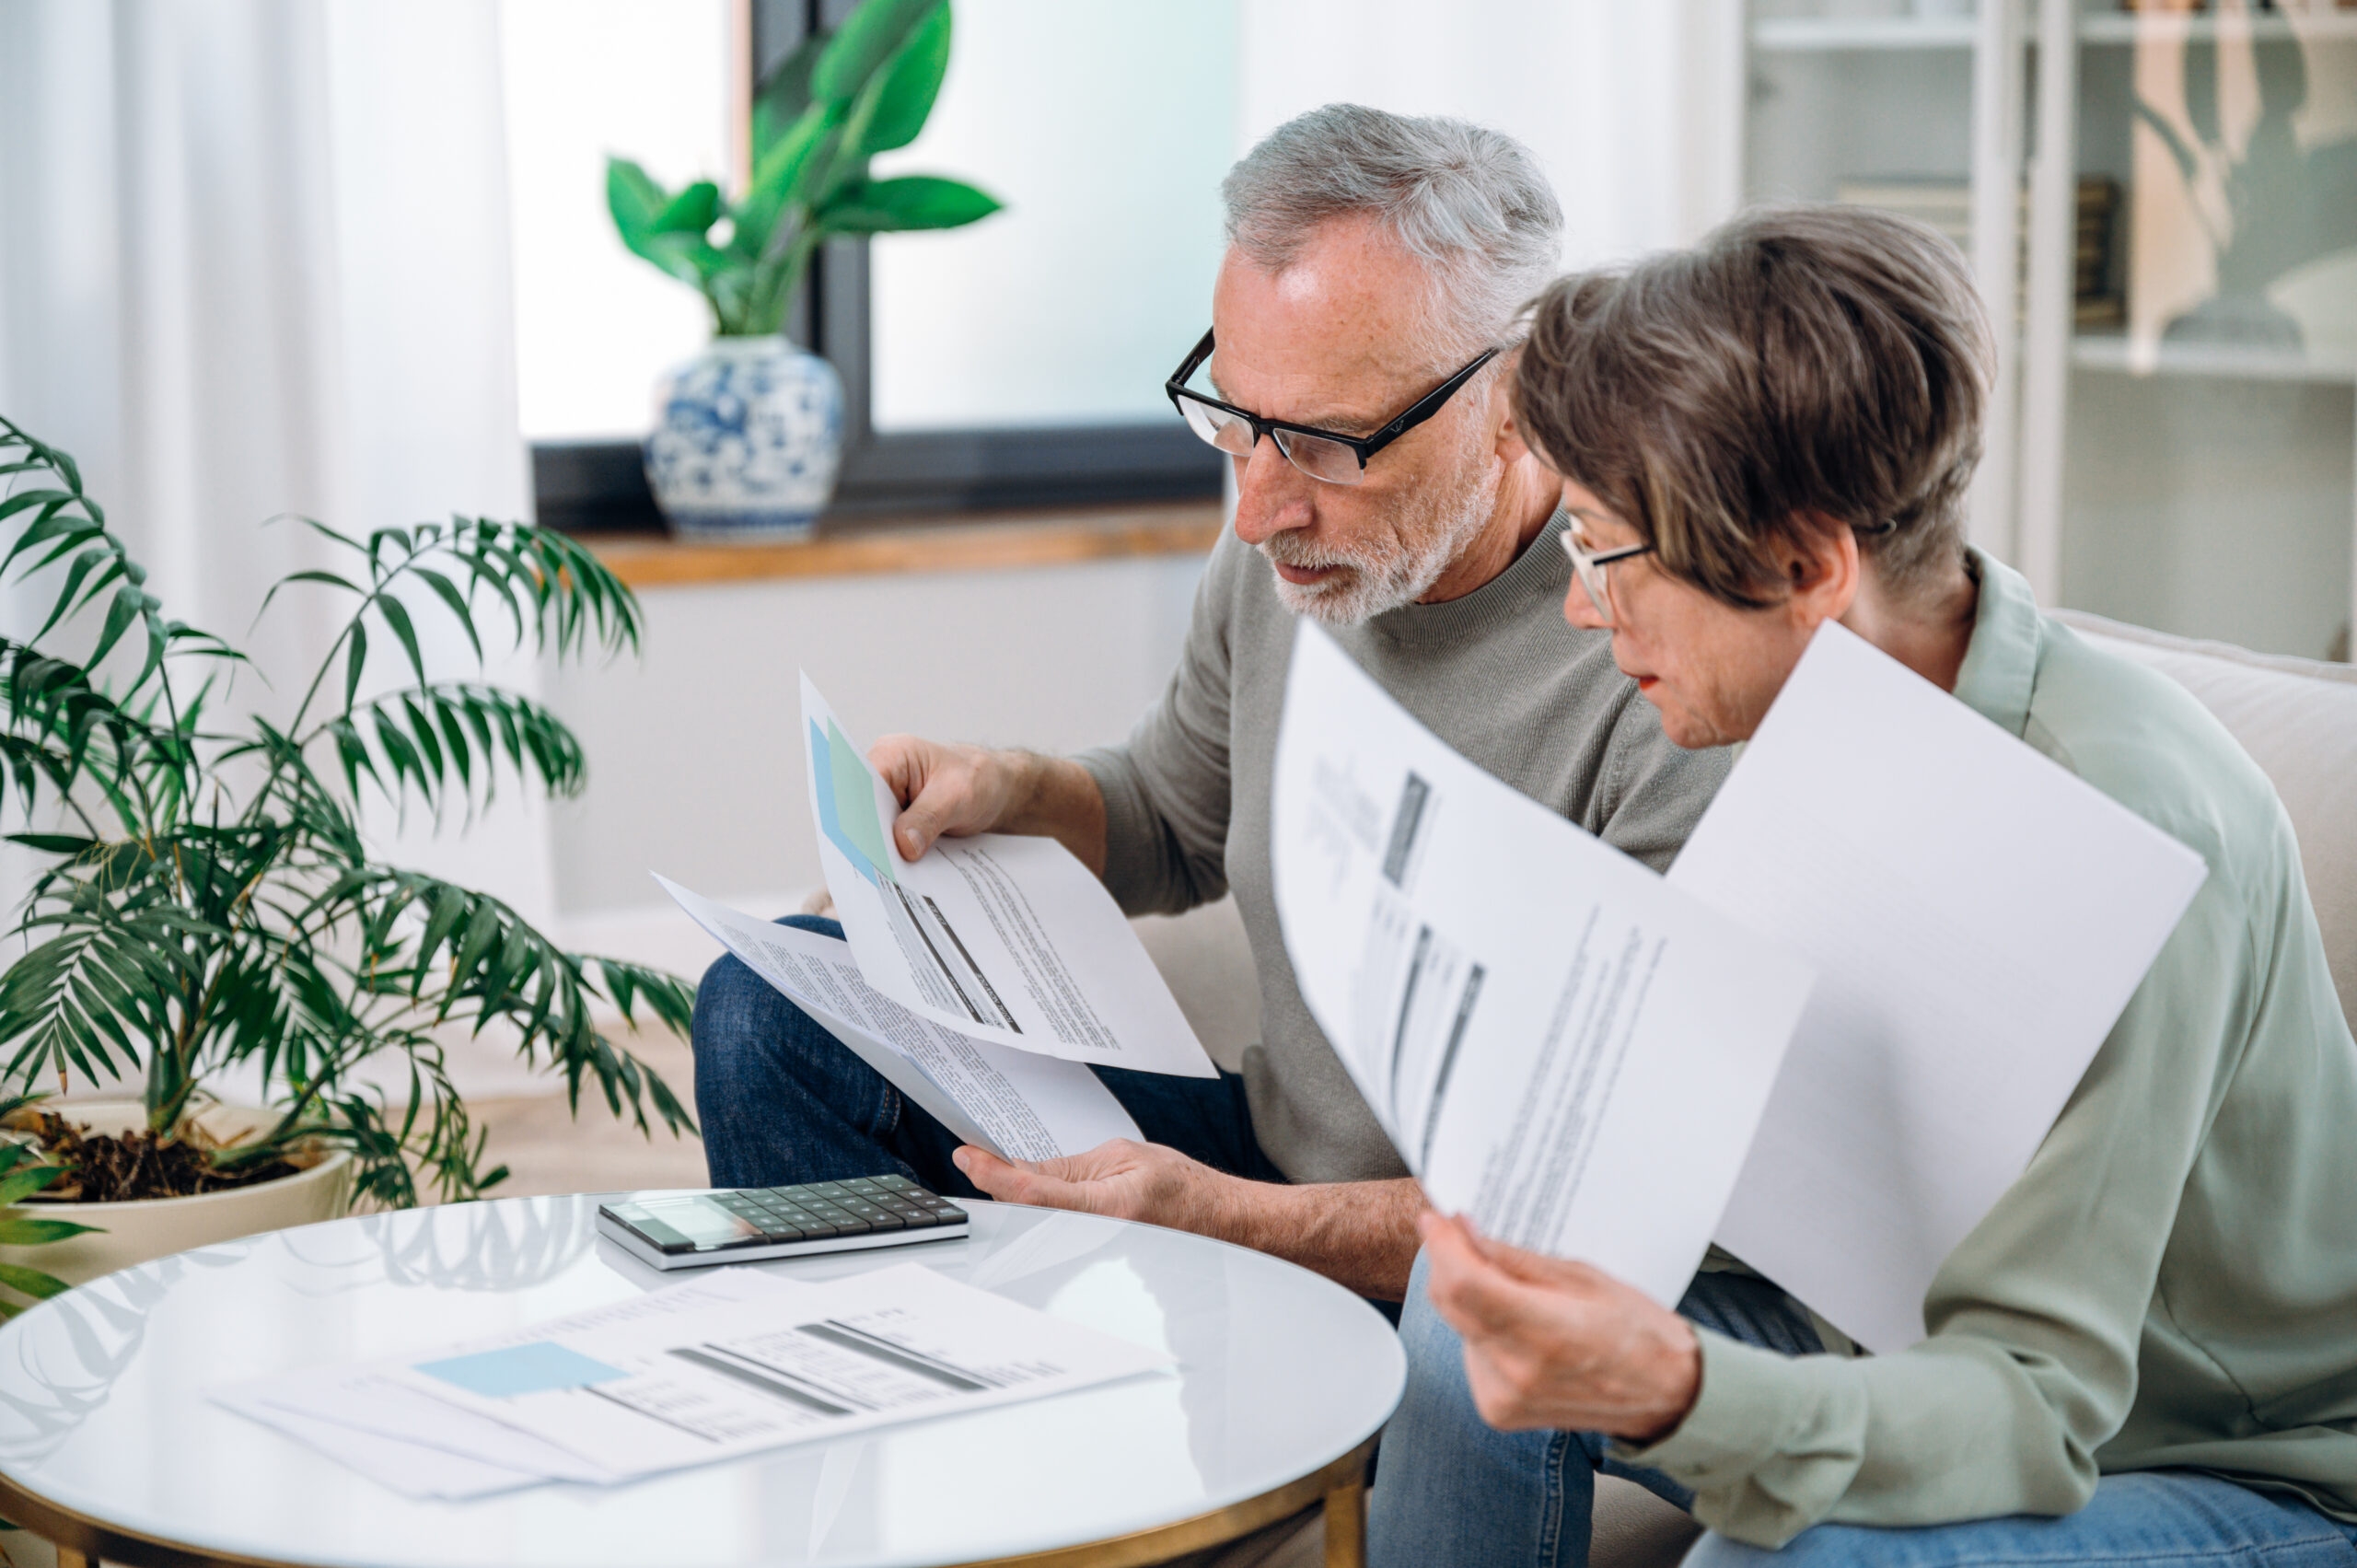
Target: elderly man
pixel 2147 1351
pixel 1374 269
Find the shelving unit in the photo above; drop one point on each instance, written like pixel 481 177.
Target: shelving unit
pixel 2166 471
pixel 2091 351
pixel 2184 27
pixel 1841 34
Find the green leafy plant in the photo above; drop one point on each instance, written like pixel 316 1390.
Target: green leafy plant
pixel 831 106
pixel 207 897
pixel 22 1174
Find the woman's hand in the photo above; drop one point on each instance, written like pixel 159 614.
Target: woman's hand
pixel 1558 1345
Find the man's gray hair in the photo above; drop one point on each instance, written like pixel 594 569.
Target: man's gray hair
pixel 1466 201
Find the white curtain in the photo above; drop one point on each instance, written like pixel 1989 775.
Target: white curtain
pixel 1634 107
pixel 254 261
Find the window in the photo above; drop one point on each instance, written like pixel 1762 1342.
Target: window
pixel 1019 362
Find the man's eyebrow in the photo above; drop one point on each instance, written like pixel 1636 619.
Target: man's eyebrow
pixel 1348 422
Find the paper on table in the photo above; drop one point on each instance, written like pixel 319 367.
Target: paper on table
pixel 1018 1104
pixel 1559 1043
pixel 638 1395
pixel 413 1470
pixel 388 1420
pixel 1002 937
pixel 1978 916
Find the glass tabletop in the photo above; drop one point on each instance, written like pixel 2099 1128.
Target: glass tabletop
pixel 103 1409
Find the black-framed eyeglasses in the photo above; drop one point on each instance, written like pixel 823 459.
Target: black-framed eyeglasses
pixel 1327 454
pixel 1590 566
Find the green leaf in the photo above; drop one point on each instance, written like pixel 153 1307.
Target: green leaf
pixel 634 198
pixel 120 615
pixel 870 37
pixel 449 595
pixel 912 82
pixel 396 616
pixel 786 93
pixel 18 1185
pixel 780 174
pixel 37 1233
pixel 637 202
pixel 912 202
pixel 692 211
pixel 53 843
pixel 355 661
pixel 31 1282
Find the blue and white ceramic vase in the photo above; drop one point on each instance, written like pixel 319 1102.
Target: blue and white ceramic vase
pixel 746 438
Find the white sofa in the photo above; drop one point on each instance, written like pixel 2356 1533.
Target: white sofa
pixel 2296 718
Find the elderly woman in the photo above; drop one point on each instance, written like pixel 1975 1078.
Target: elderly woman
pixel 2147 1352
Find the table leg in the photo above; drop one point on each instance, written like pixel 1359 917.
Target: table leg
pixel 1345 1526
pixel 69 1558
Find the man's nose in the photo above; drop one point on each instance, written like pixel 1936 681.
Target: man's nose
pixel 1271 495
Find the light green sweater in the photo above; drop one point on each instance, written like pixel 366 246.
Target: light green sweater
pixel 2173 1281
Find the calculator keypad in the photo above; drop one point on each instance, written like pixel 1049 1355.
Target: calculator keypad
pixel 819 1210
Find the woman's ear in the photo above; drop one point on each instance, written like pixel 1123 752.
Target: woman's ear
pixel 1821 569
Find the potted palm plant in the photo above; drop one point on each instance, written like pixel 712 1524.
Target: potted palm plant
pixel 207 901
pixel 748 434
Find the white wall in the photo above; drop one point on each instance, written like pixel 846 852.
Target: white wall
pixel 1633 111
pixel 696 762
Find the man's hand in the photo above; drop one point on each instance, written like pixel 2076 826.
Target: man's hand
pixel 1120 1180
pixel 953 791
pixel 1360 1235
pixel 1557 1345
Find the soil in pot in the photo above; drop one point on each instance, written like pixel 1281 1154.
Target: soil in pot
pixel 111 1167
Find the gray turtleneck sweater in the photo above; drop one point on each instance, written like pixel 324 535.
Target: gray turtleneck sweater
pixel 1497 674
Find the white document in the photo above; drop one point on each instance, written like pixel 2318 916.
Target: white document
pixel 389 1423
pixel 1978 917
pixel 712 1369
pixel 1003 937
pixel 1018 1104
pixel 413 1470
pixel 1560 1045
pixel 870 1350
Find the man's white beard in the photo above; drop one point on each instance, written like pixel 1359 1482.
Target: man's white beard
pixel 1432 530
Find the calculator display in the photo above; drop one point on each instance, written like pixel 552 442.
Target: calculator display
pixel 701 1220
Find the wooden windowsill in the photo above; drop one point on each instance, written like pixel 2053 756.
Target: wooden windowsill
pixel 984 543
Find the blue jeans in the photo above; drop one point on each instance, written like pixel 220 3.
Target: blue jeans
pixel 783 1101
pixel 1454 1491
pixel 2151 1518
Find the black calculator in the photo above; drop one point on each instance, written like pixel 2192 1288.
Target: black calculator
pixel 683 1230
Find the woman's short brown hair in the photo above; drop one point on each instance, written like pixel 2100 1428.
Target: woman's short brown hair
pixel 1802 367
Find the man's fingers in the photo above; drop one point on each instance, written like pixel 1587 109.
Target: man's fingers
pixel 916 832
pixel 1011 1183
pixel 901 760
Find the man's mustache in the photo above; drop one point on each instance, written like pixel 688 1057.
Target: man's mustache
pixel 1286 551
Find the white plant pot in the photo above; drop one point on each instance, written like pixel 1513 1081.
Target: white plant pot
pixel 746 438
pixel 158 1228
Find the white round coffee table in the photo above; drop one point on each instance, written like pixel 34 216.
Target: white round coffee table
pixel 109 1447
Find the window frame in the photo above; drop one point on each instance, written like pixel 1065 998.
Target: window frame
pixel 600 487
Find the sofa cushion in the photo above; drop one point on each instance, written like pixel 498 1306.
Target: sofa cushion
pixel 1207 961
pixel 2298 720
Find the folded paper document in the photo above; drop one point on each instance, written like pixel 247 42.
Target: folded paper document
pixel 1001 937
pixel 1978 917
pixel 1014 1103
pixel 731 1363
pixel 1560 1045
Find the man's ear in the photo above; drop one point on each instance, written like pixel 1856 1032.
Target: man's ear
pixel 1510 447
